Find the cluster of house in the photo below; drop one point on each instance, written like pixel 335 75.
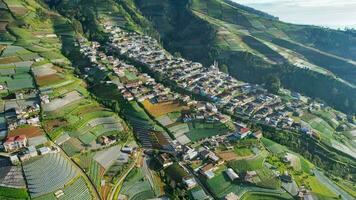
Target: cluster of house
pixel 226 92
pixel 20 149
pixel 188 181
pixel 28 152
pixel 20 108
pixel 138 86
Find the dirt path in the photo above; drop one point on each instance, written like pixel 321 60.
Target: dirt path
pixel 115 191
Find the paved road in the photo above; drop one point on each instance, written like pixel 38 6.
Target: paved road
pixel 118 184
pixel 331 185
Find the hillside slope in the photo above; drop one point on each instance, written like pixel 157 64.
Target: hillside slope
pixel 315 61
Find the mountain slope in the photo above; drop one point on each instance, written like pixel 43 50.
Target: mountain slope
pixel 253 44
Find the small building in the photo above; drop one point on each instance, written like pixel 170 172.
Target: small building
pixel 209 174
pixel 44 150
pixel 203 153
pixel 231 196
pixel 14 159
pixel 250 175
pixel 190 154
pixel 244 132
pixel 258 135
pixel 207 171
pixel 213 157
pixel 15 143
pixel 127 149
pixel 286 178
pixel 165 160
pixel 31 150
pixel 231 174
pixel 190 182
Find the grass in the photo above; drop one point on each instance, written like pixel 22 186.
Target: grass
pixel 176 172
pixel 107 92
pixel 268 179
pixel 135 187
pixel 131 76
pixel 220 186
pixel 87 138
pixel 12 193
pixel 264 196
pixel 199 131
pixel 322 127
pixel 70 148
pixel 49 80
pixel 20 83
pixel 198 134
pixel 306 166
pixel 134 110
pixel 84 160
pixel 248 164
pixel 347 186
pixel 174 115
pixel 319 188
pixel 243 151
pixel 272 146
pixel 94 173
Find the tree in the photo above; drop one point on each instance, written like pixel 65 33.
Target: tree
pixel 177 54
pixel 41 14
pixel 273 84
pixel 224 68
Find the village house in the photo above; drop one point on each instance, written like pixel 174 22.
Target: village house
pixel 15 143
pixel 249 176
pixel 189 182
pixel 208 170
pixel 231 174
pixel 258 135
pixel 165 160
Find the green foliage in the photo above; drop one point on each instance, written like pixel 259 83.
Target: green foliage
pixel 12 193
pixel 247 165
pixel 176 172
pixel 273 84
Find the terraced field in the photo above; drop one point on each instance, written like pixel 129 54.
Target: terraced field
pixel 198 131
pixel 221 185
pixel 48 174
pixel 135 187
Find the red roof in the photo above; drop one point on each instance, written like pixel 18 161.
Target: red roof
pixel 19 138
pixel 244 130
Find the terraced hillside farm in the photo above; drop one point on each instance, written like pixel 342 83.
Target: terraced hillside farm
pixel 11 176
pixel 159 109
pixel 104 167
pixel 48 174
pixel 83 126
pixel 105 99
pixel 135 187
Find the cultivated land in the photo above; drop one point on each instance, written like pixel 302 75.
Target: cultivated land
pixel 85 90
